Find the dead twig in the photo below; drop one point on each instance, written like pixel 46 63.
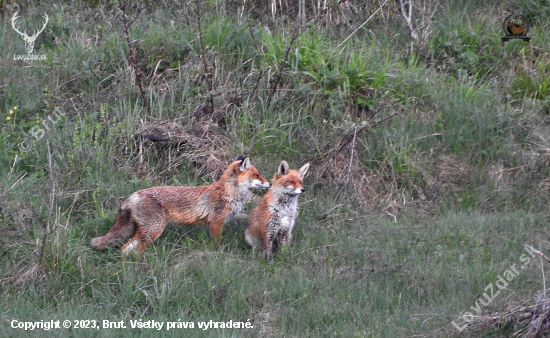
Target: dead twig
pixel 537 252
pixel 363 24
pixel 132 58
pixel 423 24
pixel 208 70
pixel 281 68
pixel 46 226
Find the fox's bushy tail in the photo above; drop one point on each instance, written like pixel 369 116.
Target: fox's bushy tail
pixel 123 229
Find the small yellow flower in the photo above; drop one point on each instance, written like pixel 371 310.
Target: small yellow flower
pixel 15 108
pixel 11 112
pixel 8 118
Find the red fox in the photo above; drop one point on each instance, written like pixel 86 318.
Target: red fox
pixel 145 213
pixel 270 222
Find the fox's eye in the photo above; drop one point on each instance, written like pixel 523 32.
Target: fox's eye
pixel 256 176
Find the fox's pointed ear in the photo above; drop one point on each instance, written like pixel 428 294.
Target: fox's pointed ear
pixel 245 163
pixel 240 158
pixel 303 170
pixel 283 168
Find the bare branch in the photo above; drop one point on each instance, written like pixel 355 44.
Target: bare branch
pixel 537 252
pixel 364 23
pixel 46 226
pixel 281 68
pixel 406 13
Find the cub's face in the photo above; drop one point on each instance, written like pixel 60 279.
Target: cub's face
pixel 290 181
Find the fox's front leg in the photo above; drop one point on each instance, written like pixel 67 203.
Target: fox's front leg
pixel 216 229
pixel 285 238
pixel 269 252
pixel 268 248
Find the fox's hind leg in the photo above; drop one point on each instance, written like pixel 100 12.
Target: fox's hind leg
pixel 144 235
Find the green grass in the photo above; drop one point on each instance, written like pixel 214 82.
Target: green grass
pixel 401 229
pixel 365 276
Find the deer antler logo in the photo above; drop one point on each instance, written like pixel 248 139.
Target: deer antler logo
pixel 29 40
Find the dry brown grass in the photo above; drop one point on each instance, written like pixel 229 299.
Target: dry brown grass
pixel 199 143
pixel 529 321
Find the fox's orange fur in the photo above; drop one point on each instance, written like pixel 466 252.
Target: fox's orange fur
pixel 144 214
pixel 270 222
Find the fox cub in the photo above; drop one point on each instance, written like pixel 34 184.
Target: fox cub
pixel 145 213
pixel 270 222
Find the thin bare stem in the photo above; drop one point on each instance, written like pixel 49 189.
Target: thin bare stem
pixel 46 226
pixel 137 72
pixel 364 23
pixel 207 70
pixel 281 68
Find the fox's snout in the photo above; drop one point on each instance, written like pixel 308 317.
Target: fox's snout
pixel 295 191
pixel 263 185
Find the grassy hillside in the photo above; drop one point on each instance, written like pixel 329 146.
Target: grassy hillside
pixel 429 165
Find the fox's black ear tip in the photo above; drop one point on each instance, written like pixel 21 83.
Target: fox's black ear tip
pixel 240 158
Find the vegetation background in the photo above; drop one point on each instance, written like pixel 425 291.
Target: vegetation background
pixel 429 142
